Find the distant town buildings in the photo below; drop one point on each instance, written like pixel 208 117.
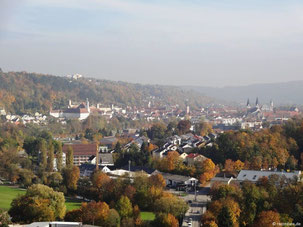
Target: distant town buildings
pixel 79 112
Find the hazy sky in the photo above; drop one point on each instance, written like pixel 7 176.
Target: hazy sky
pixel 178 42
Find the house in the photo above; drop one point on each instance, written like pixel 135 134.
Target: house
pixel 159 153
pixel 173 180
pixel 87 169
pixel 194 157
pixel 82 152
pixel 186 148
pixel 105 159
pixel 109 142
pixel 183 155
pixel 143 169
pixel 254 175
pixel 2 111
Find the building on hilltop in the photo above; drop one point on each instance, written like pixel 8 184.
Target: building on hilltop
pixel 79 112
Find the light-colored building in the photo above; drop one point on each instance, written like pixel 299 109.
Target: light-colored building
pixel 254 175
pixel 82 152
pixel 80 112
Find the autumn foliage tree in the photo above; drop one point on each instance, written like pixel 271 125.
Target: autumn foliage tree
pixel 40 203
pixel 70 177
pixel 267 219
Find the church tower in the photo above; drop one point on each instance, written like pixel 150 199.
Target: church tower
pixel 248 104
pixel 257 102
pixel 271 105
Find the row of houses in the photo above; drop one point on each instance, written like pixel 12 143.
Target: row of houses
pixel 184 145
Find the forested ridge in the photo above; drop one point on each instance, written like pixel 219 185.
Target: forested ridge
pixel 22 92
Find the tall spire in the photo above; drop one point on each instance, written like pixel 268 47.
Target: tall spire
pixel 257 102
pixel 248 103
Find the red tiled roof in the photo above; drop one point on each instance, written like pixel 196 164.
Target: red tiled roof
pixel 193 155
pixel 82 149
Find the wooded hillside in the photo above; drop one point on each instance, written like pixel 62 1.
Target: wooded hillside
pixel 22 92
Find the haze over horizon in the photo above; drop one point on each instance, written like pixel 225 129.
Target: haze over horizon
pixel 202 43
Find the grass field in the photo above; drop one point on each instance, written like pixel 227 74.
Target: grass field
pixel 8 193
pixel 72 203
pixel 147 216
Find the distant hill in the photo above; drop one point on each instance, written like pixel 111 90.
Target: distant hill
pixel 288 93
pixel 22 92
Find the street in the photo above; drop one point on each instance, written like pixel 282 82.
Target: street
pixel 197 208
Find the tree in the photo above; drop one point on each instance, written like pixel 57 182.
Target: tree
pixel 70 177
pixel 54 179
pixel 26 177
pixel 165 220
pixel 124 207
pixel 40 203
pixel 157 131
pixel 137 217
pixel 43 154
pixel 203 128
pixel 59 157
pixel 113 219
pixel 50 159
pixel 95 213
pixel 157 180
pixel 130 191
pixel 74 215
pixel 173 205
pixel 225 218
pixel 184 126
pixel 267 219
pixel 4 218
pixel 69 157
pixel 100 180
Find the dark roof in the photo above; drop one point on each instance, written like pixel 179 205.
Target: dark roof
pixel 82 149
pixel 87 166
pixel 138 168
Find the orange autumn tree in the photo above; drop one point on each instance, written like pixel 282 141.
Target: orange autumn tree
pixel 171 160
pixel 100 180
pixel 157 180
pixel 230 165
pixel 94 213
pixel 267 219
pixel 209 171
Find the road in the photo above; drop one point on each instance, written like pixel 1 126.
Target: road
pixel 197 208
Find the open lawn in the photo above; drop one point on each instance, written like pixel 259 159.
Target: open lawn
pixel 147 216
pixel 8 193
pixel 72 203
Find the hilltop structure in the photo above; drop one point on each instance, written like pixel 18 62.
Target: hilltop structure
pixel 79 112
